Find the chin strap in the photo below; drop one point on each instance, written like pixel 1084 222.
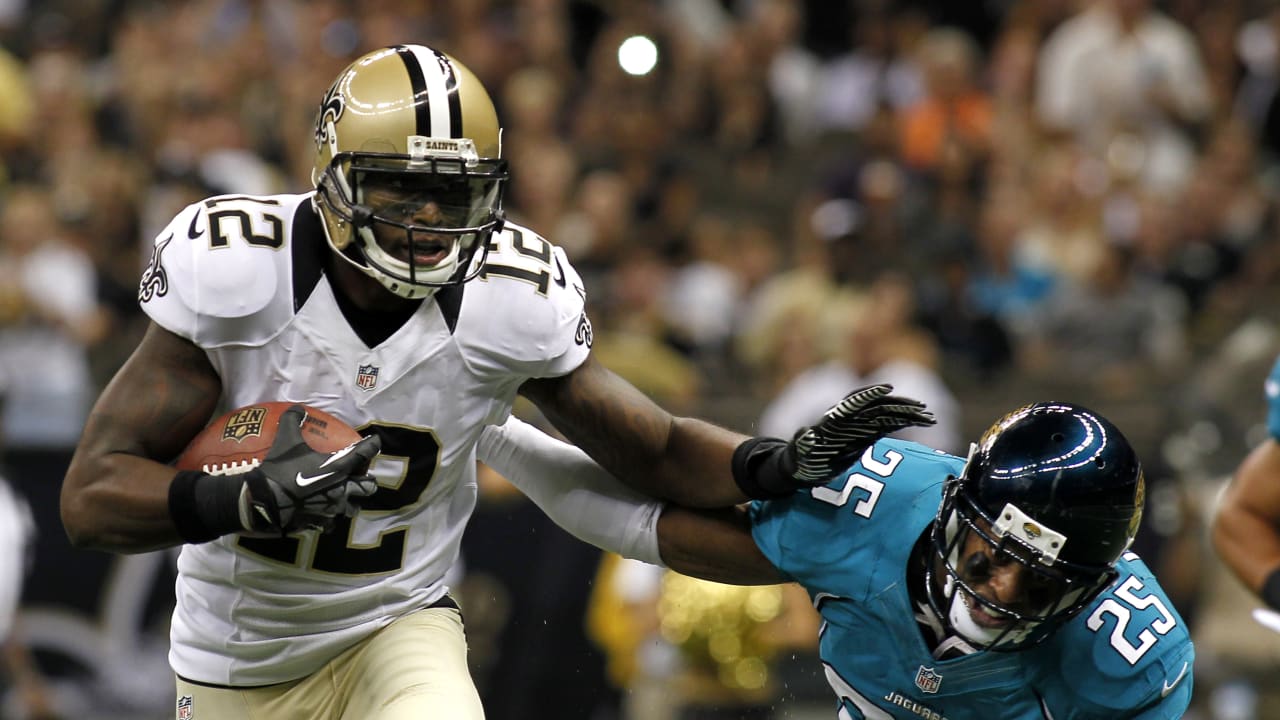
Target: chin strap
pixel 953 646
pixel 945 646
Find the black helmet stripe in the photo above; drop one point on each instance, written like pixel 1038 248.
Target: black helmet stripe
pixel 418 86
pixel 432 79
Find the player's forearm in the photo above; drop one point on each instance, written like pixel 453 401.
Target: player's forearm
pixel 118 503
pixel 690 463
pixel 1244 528
pixel 679 459
pixel 713 545
pixel 696 469
pixel 1247 543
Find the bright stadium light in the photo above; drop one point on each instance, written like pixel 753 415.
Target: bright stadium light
pixel 637 55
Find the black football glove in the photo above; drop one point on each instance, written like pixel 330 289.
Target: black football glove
pixel 769 467
pixel 296 488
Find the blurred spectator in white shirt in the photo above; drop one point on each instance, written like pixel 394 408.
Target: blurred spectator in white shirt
pixel 48 316
pixel 874 340
pixel 1129 83
pixel 873 74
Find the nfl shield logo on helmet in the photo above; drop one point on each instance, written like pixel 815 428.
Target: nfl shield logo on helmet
pixel 185 711
pixel 367 377
pixel 928 680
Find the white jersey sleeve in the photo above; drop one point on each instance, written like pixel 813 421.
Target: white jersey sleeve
pixel 531 303
pixel 575 492
pixel 217 271
pixel 16 531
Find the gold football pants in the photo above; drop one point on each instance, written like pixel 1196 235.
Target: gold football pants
pixel 413 669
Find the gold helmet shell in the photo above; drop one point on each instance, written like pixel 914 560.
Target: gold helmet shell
pixel 411 117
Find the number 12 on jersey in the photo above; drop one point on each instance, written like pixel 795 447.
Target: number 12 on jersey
pixel 418 450
pixel 530 260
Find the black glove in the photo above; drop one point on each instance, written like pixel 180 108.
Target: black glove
pixel 295 487
pixel 767 467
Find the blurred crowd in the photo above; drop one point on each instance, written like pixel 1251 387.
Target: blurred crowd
pixel 983 203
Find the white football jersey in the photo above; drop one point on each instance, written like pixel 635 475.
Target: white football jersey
pixel 243 278
pixel 17 531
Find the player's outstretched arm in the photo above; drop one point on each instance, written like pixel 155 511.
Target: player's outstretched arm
pixel 698 464
pixel 584 499
pixel 674 458
pixel 115 496
pixel 1245 526
pixel 714 545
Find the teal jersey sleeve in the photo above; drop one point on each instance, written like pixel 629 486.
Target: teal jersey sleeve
pixel 858 529
pixel 1272 390
pixel 1127 655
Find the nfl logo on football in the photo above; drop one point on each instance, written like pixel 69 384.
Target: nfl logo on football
pixel 367 377
pixel 185 712
pixel 928 680
pixel 246 423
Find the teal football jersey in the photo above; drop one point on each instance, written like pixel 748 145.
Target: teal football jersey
pixel 1127 655
pixel 1272 389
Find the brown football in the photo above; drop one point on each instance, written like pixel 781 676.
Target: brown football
pixel 241 438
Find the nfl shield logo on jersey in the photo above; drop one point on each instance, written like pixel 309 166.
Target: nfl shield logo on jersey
pixel 928 680
pixel 185 712
pixel 367 377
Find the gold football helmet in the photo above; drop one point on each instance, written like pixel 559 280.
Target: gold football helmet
pixel 408 172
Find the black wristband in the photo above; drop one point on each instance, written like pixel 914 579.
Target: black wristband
pixel 760 468
pixel 1271 590
pixel 204 507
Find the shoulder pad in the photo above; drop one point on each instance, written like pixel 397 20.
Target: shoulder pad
pixel 878 507
pixel 1129 649
pixel 525 311
pixel 218 269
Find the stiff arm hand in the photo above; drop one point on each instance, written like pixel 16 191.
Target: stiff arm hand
pixel 770 467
